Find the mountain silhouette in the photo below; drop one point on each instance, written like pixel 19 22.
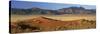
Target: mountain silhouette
pixel 35 10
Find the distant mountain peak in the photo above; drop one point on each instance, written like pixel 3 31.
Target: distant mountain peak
pixel 76 7
pixel 35 8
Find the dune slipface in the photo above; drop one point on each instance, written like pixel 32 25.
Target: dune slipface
pixel 26 17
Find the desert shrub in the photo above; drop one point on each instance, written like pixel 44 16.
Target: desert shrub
pixel 84 21
pixel 92 22
pixel 88 23
pixel 61 28
pixel 23 26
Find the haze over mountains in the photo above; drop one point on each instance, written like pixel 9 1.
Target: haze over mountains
pixel 35 10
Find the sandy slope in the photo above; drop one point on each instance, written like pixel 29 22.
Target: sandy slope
pixel 48 24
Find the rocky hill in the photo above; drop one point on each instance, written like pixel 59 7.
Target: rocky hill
pixel 35 10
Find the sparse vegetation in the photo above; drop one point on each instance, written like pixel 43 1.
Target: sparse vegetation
pixel 46 24
pixel 28 17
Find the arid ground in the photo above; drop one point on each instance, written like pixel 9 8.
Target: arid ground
pixel 40 23
pixel 66 17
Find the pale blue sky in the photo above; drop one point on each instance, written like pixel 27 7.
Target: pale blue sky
pixel 53 6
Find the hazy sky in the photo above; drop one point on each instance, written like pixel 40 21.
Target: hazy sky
pixel 83 2
pixel 53 6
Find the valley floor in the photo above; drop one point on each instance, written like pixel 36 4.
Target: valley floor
pixel 66 17
pixel 40 23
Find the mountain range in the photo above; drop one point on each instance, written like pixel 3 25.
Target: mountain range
pixel 35 10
